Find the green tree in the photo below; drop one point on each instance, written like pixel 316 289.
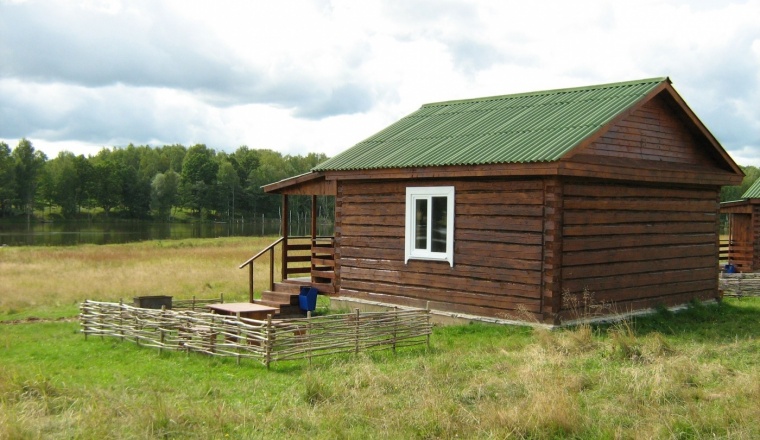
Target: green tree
pixel 28 164
pixel 164 193
pixel 272 168
pixel 228 181
pixel 46 188
pixel 7 179
pixel 175 155
pixel 60 183
pixel 735 192
pixel 85 181
pixel 135 192
pixel 199 170
pixel 107 191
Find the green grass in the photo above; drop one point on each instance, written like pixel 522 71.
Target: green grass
pixel 694 374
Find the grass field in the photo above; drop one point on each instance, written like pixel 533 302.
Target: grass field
pixel 50 281
pixel 694 374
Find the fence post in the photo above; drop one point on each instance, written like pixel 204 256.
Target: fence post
pixel 136 327
pixel 100 323
pixel 121 319
pixel 395 328
pixel 268 342
pixel 161 329
pixel 429 330
pixel 83 312
pixel 212 335
pixel 308 334
pixel 237 340
pixel 356 332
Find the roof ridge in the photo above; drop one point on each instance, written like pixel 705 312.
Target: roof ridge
pixel 549 92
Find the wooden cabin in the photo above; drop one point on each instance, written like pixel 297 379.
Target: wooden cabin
pixel 744 230
pixel 499 206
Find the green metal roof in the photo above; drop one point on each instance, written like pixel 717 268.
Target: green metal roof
pixel 526 127
pixel 753 192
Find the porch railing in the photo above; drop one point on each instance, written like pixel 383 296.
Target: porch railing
pixel 250 261
pixel 740 254
pixel 298 255
pixel 723 250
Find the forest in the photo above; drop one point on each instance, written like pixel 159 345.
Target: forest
pixel 146 182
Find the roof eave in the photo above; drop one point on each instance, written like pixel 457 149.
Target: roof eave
pixel 291 184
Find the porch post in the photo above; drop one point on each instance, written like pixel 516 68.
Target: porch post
pixel 313 232
pixel 313 217
pixel 285 227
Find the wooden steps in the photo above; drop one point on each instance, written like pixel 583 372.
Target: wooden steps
pixel 284 297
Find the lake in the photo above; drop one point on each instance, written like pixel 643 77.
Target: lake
pixel 123 231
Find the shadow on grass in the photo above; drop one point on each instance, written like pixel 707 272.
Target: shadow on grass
pixel 722 322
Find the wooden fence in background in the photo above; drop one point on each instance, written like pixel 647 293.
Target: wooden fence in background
pixel 266 341
pixel 740 284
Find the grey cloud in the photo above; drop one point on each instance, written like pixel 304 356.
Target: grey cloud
pixel 54 43
pixel 471 56
pixel 96 118
pixel 344 99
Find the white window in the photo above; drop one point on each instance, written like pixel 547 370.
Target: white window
pixel 430 223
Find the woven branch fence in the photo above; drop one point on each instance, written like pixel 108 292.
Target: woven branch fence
pixel 740 284
pixel 266 341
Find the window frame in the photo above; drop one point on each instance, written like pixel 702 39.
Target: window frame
pixel 428 192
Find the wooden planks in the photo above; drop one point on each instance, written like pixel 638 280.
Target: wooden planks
pixel 638 244
pixel 653 132
pixel 498 246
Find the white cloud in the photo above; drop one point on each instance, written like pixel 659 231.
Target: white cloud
pixel 319 75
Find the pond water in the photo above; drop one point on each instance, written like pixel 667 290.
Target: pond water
pixel 74 233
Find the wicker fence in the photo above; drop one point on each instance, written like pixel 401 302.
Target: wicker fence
pixel 195 303
pixel 740 284
pixel 266 341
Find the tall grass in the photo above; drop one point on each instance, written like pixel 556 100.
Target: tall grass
pixel 693 374
pixel 477 381
pixel 46 278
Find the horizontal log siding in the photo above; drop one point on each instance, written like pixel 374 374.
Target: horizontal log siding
pixel 655 133
pixel 497 242
pixel 637 246
pixel 755 238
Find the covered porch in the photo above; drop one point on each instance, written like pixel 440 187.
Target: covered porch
pixel 304 259
pixel 739 247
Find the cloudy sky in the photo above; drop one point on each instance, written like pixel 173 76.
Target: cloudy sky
pixel 319 76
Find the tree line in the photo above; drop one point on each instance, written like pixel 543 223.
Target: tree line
pixel 145 182
pixel 152 182
pixel 731 193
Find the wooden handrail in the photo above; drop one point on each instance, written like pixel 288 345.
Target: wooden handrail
pixel 250 261
pixel 270 249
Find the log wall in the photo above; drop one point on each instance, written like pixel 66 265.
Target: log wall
pixel 498 243
pixel 652 132
pixel 740 248
pixel 755 238
pixel 640 246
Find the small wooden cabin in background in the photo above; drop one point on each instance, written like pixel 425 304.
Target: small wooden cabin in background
pixel 744 230
pixel 494 205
